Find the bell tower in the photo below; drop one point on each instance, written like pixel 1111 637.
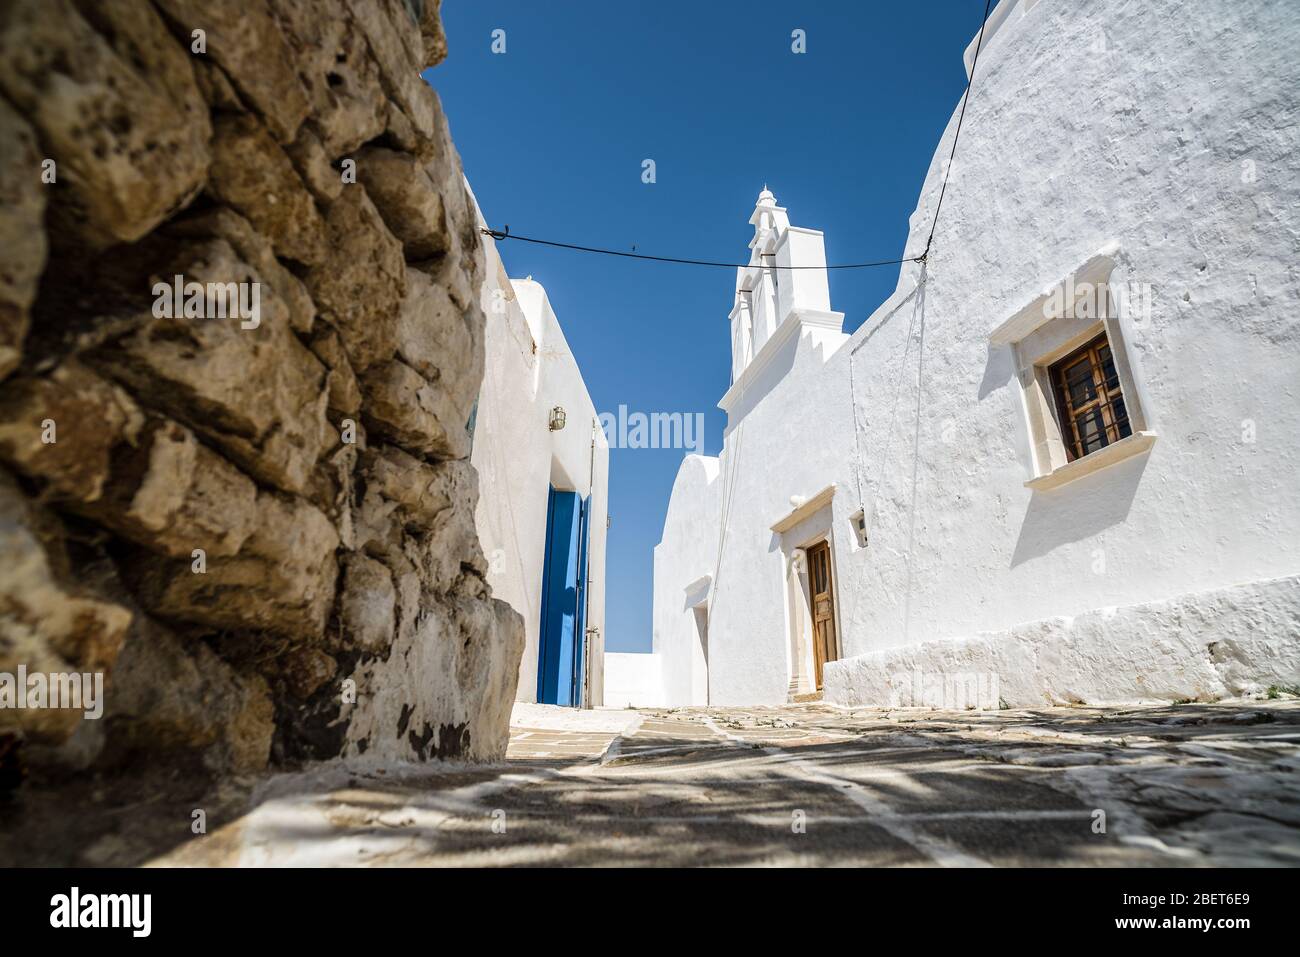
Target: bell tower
pixel 781 290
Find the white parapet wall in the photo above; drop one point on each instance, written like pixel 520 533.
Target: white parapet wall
pixel 1209 645
pixel 633 680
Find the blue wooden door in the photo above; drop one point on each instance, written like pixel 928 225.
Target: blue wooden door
pixel 580 646
pixel 561 646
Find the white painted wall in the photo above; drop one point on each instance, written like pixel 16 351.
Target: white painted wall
pixel 633 680
pixel 529 370
pixel 1168 130
pixel 683 560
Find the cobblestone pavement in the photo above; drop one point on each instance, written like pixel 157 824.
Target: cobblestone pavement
pixel 1184 785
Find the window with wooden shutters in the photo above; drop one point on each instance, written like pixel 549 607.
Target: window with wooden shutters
pixel 1074 364
pixel 1089 399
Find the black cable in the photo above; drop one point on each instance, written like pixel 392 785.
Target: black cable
pixel 499 234
pixel 506 234
pixel 979 44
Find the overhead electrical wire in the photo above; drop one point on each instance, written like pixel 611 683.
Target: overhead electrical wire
pixel 501 234
pixel 729 481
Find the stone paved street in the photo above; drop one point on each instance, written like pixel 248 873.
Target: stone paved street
pixel 1194 784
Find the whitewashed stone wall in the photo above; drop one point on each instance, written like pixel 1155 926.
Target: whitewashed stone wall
pixel 1205 646
pixel 685 555
pixel 1167 134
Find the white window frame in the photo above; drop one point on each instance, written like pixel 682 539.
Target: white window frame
pixel 1047 330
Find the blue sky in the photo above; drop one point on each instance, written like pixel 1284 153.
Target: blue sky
pixel 553 134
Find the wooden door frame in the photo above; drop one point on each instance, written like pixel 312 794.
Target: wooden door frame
pixel 829 653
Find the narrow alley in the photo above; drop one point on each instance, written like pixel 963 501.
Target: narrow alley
pixel 808 785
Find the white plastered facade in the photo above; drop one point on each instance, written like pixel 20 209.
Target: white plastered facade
pixel 529 371
pixel 1152 150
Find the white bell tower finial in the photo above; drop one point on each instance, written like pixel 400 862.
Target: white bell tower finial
pixel 768 220
pixel 784 281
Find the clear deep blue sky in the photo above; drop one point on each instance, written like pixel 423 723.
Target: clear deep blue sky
pixel 553 134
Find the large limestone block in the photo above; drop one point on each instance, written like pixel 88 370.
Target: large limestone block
pixel 252 173
pixel 255 250
pixel 246 41
pixel 408 410
pixel 148 479
pixel 460 273
pixel 376 522
pixel 418 517
pixel 494 678
pixel 445 691
pixel 449 547
pixel 282 581
pixel 304 671
pixel 421 491
pixel 333 486
pixel 257 394
pixel 407 199
pixel 63 428
pixel 464 248
pixel 448 176
pixel 441 341
pixel 435 39
pixel 395 39
pixel 119 111
pixel 22 232
pixel 337 71
pixel 216 87
pixel 344 390
pixel 46 624
pixel 360 285
pixel 314 166
pixel 172 494
pixel 368 606
pixel 167 695
pixel 460 270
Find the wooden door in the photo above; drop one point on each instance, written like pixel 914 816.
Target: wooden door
pixel 823 606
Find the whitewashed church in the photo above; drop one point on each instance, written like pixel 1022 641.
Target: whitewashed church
pixel 1059 464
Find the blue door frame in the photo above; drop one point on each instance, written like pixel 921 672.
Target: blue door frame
pixel 560 653
pixel 580 665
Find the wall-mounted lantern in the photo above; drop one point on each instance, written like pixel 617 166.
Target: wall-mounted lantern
pixel 557 419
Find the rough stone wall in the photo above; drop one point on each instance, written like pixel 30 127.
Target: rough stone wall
pixel 318 460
